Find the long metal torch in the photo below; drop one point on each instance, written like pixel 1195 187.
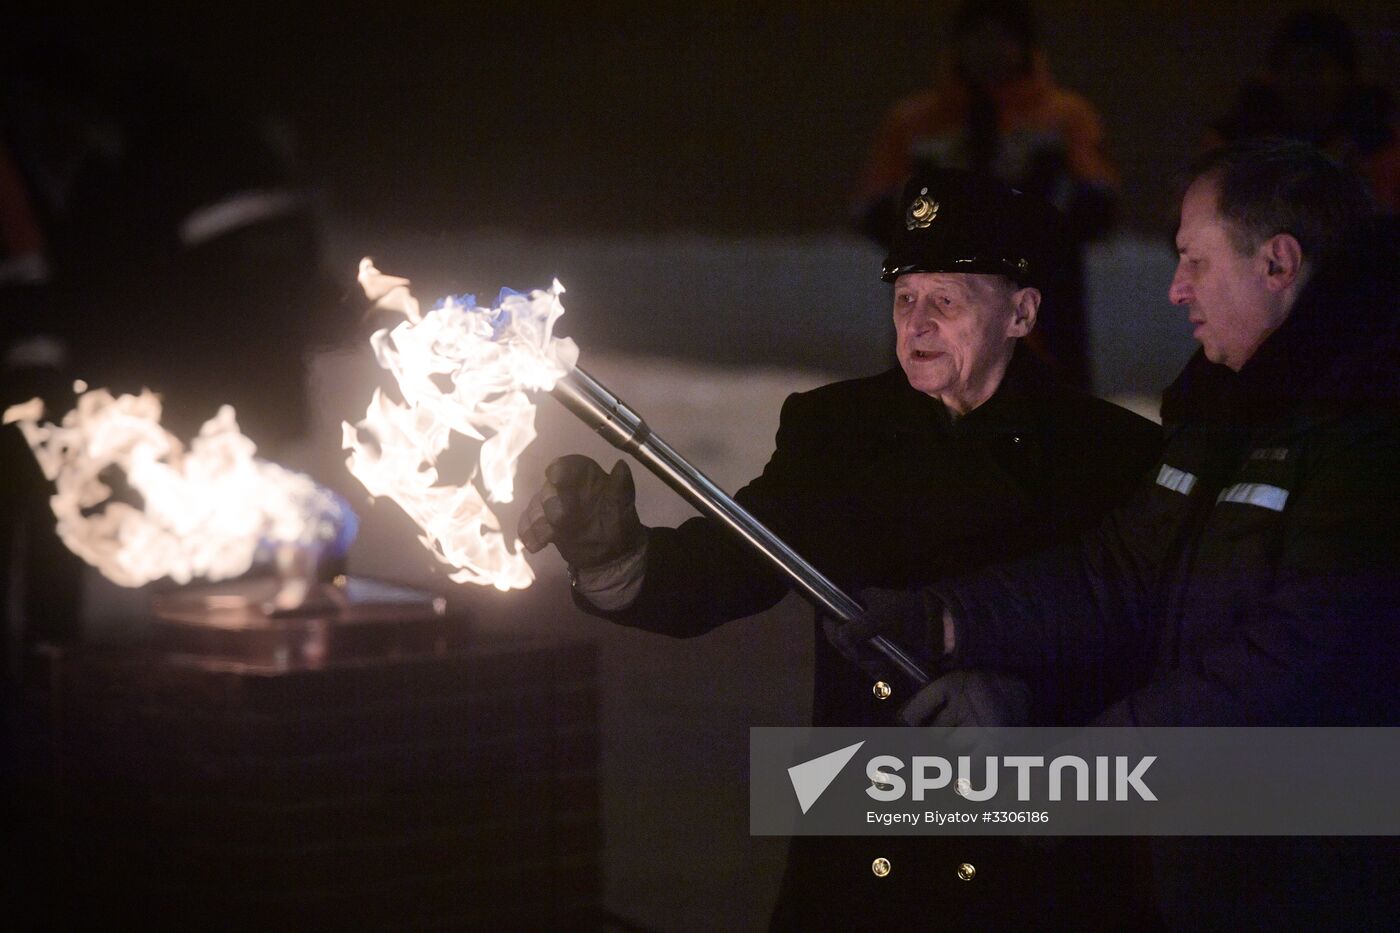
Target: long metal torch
pixel 622 427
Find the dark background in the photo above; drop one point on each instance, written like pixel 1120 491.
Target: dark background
pixel 717 117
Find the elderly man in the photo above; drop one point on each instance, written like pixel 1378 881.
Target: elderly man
pixel 965 454
pixel 1257 576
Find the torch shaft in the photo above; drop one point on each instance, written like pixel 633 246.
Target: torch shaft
pixel 622 427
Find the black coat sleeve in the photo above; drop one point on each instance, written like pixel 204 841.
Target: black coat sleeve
pixel 1320 646
pixel 700 575
pixel 1087 601
pixel 1317 646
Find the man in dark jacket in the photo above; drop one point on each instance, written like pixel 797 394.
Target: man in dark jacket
pixel 1256 579
pixel 966 454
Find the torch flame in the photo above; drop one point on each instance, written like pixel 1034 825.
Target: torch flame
pixel 491 357
pixel 205 511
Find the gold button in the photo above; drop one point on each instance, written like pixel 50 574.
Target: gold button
pixel 967 871
pixel 881 867
pixel 882 690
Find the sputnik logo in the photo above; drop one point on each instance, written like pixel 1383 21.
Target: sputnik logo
pixel 811 778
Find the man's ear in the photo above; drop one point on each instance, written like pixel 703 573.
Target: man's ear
pixel 1283 259
pixel 1025 304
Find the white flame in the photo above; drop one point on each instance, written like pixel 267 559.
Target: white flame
pixel 205 510
pixel 490 358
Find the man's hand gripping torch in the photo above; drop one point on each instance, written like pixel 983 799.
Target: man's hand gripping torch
pixel 622 427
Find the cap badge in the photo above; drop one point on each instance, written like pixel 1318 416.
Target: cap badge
pixel 921 212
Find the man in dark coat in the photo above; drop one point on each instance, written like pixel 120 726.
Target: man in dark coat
pixel 1257 576
pixel 966 454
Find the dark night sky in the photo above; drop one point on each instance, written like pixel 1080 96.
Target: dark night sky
pixel 629 117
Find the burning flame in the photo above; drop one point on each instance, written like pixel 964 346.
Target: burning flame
pixel 490 357
pixel 205 511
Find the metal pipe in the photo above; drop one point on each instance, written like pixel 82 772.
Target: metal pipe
pixel 622 427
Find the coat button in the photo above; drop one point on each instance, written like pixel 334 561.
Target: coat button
pixel 882 690
pixel 881 867
pixel 967 871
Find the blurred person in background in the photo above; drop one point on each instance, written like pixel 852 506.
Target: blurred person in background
pixel 156 234
pixel 191 257
pixel 995 109
pixel 1312 90
pixel 51 100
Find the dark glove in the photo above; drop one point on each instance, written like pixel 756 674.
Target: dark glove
pixel 591 516
pixel 906 617
pixel 970 698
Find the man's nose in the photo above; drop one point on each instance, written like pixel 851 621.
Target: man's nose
pixel 925 314
pixel 1180 291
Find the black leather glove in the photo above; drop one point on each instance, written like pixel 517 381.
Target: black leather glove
pixel 591 516
pixel 980 699
pixel 906 617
